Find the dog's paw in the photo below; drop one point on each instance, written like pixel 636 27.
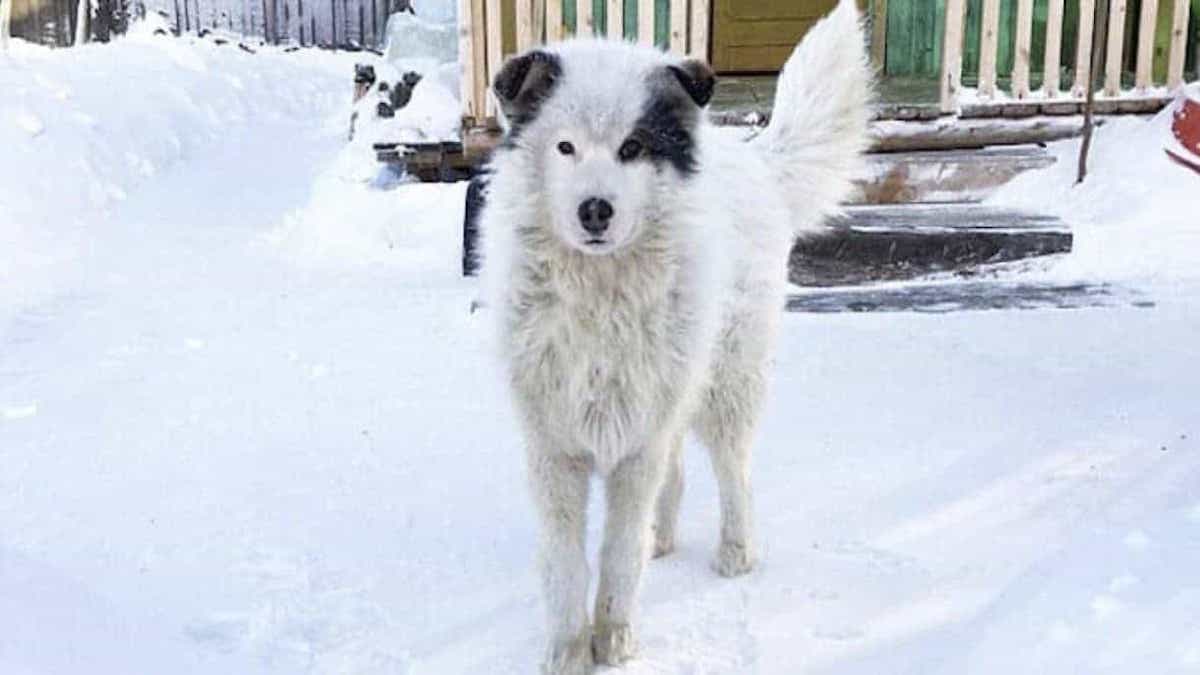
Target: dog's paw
pixel 572 657
pixel 734 559
pixel 613 644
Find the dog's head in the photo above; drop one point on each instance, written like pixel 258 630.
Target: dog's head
pixel 608 133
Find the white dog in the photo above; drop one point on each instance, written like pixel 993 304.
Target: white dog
pixel 637 260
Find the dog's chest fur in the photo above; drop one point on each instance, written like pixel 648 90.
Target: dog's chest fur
pixel 602 349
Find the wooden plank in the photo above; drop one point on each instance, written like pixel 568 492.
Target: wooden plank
pixel 479 65
pixel 989 34
pixel 1020 72
pixel 1116 48
pixel 701 24
pixel 539 20
pixel 645 22
pixel 951 77
pixel 466 60
pixel 1179 33
pixel 615 19
pixel 1083 48
pixel 1145 47
pixel 524 16
pixel 495 38
pixel 678 24
pixel 879 15
pixel 585 23
pixel 554 21
pixel 1053 56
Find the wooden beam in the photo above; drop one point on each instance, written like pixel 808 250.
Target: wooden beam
pixel 479 60
pixel 1116 48
pixel 539 20
pixel 1020 73
pixel 615 19
pixel 645 22
pixel 495 55
pixel 952 46
pixel 1179 32
pixel 700 25
pixel 466 61
pixel 1053 56
pixel 1083 48
pixel 879 33
pixel 554 20
pixel 1145 46
pixel 678 23
pixel 524 16
pixel 988 42
pixel 585 23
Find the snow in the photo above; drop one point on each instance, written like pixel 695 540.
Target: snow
pixel 250 423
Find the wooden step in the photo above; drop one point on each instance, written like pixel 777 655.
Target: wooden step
pixel 945 175
pixel 941 298
pixel 881 243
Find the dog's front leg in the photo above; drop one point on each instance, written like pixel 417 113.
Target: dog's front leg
pixel 560 493
pixel 632 489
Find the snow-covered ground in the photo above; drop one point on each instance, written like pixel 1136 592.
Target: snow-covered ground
pixel 248 423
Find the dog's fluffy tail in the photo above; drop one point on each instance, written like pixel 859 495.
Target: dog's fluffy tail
pixel 818 129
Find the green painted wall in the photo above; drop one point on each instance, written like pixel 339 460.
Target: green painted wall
pixel 662 18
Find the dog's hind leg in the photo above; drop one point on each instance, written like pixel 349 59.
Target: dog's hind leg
pixel 667 509
pixel 560 494
pixel 632 489
pixel 726 425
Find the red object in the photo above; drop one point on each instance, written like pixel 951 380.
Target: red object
pixel 1186 129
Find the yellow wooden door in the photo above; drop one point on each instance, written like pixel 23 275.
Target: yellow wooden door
pixel 758 35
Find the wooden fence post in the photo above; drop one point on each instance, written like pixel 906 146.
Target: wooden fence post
pixel 952 45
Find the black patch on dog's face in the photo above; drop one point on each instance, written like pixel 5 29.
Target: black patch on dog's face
pixel 667 124
pixel 523 84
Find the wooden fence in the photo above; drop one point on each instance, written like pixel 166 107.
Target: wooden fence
pixel 491 29
pixel 1020 87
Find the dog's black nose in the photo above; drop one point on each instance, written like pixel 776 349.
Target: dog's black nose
pixel 594 215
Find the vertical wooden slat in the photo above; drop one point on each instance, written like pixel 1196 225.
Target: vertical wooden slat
pixel 615 18
pixel 539 20
pixel 479 73
pixel 698 41
pixel 1053 57
pixel 645 22
pixel 1083 49
pixel 466 60
pixel 952 45
pixel 678 22
pixel 554 20
pixel 1179 32
pixel 494 43
pixel 879 33
pixel 524 16
pixel 1116 48
pixel 988 39
pixel 585 23
pixel 1145 46
pixel 1020 74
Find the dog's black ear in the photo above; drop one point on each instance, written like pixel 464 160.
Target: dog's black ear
pixel 524 82
pixel 697 79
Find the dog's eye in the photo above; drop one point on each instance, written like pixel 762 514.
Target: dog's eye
pixel 566 148
pixel 630 150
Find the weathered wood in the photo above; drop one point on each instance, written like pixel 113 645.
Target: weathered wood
pixel 478 67
pixel 495 54
pixel 615 19
pixel 1145 46
pixel 1053 55
pixel 942 298
pixel 554 21
pixel 1083 47
pixel 949 134
pixel 944 176
pixel 951 77
pixel 1020 72
pixel 470 67
pixel 701 23
pixel 678 26
pixel 1116 48
pixel 524 24
pixel 645 22
pixel 989 35
pixel 1178 54
pixel 5 22
pixel 585 23
pixel 539 20
pixel 879 32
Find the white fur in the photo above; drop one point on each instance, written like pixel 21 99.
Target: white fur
pixel 614 355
